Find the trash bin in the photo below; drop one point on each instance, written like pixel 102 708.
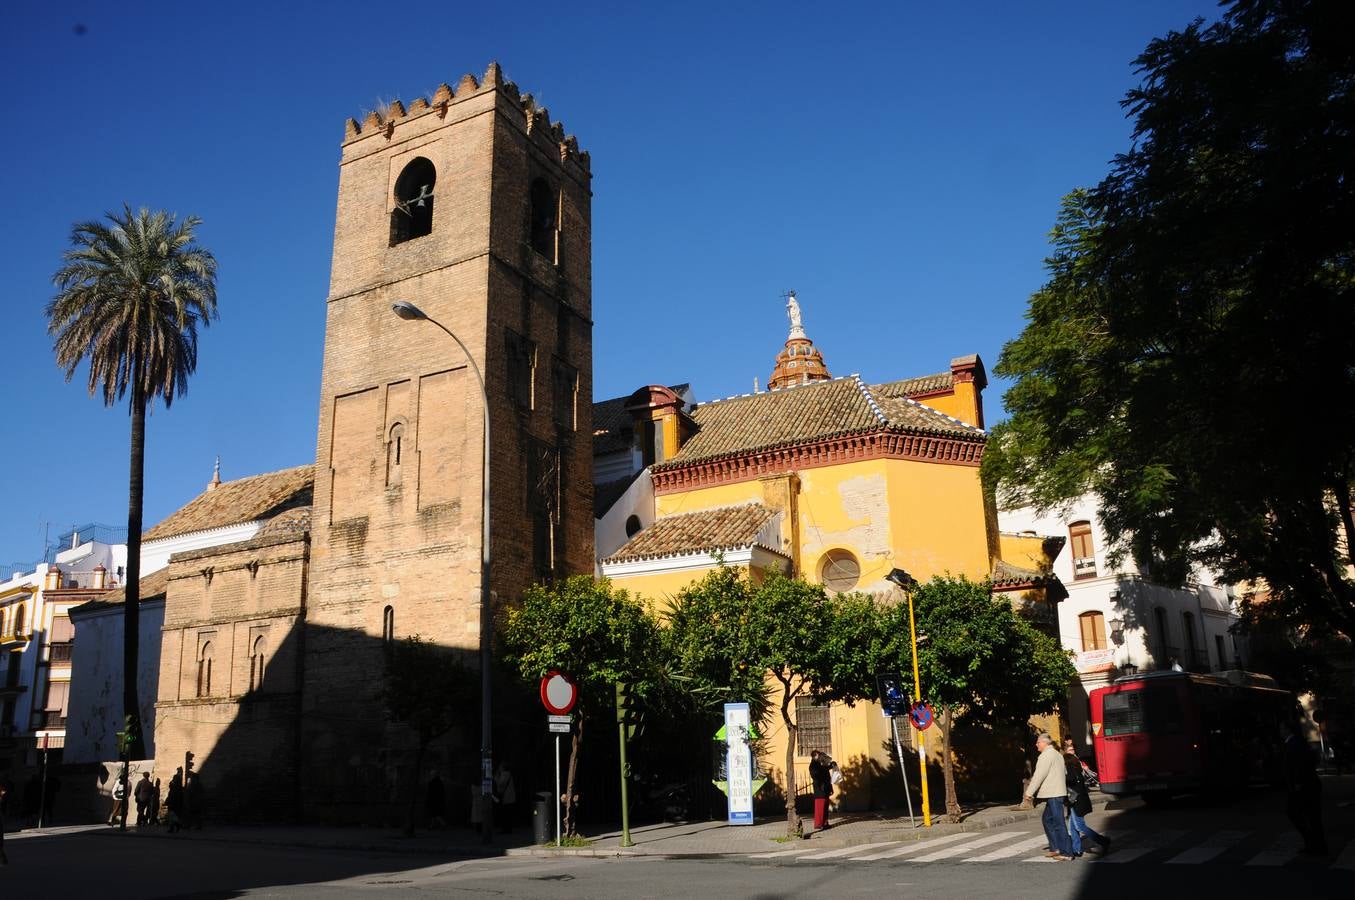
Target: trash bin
pixel 543 818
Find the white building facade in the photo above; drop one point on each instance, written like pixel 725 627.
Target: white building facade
pixel 1117 622
pixel 37 644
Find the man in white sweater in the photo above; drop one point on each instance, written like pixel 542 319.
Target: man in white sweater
pixel 1048 785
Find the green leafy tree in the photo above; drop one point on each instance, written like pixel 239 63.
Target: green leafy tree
pixel 132 292
pixel 732 636
pixel 1189 359
pixel 977 657
pixel 428 689
pixel 597 635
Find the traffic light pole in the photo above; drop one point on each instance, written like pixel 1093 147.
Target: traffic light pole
pixel 621 733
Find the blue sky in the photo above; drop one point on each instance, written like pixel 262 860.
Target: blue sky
pixel 899 165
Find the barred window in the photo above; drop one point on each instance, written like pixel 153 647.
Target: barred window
pixel 815 727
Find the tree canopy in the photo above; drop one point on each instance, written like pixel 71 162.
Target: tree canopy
pixel 979 657
pixel 596 634
pixel 731 636
pixel 1191 359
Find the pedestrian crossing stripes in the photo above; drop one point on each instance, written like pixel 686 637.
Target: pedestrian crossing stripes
pixel 1165 846
pixel 1213 846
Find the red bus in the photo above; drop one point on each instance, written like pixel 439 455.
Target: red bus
pixel 1168 733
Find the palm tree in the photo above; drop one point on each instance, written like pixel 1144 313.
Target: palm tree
pixel 131 294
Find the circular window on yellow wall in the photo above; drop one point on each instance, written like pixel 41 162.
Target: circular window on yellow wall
pixel 839 570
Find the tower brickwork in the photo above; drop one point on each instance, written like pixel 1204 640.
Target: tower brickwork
pixel 475 207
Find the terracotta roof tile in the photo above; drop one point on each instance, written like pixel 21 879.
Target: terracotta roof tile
pixel 724 528
pixel 803 413
pixel 612 425
pixel 153 586
pixel 911 387
pixel 241 500
pixel 1007 575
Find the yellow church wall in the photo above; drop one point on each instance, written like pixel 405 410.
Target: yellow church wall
pixel 660 587
pixel 938 520
pixel 1024 550
pixel 951 404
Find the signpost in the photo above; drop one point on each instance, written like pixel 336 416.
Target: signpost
pixel 738 764
pixel 558 694
pixel 894 704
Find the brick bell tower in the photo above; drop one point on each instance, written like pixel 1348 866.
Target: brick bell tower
pixel 475 207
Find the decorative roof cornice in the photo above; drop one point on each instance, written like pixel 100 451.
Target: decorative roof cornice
pixel 884 443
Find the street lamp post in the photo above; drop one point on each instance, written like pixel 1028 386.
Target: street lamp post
pixel 907 582
pixel 408 311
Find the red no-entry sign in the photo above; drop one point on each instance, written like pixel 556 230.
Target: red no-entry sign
pixel 558 693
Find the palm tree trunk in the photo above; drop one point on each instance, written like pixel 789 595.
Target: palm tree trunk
pixel 131 609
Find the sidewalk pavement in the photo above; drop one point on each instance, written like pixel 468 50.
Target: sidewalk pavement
pixel 685 839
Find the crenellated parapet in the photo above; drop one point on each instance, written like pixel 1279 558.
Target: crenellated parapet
pixel 535 120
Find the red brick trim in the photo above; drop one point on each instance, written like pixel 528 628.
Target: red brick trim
pixel 817 454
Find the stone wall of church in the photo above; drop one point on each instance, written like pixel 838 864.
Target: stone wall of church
pixel 230 675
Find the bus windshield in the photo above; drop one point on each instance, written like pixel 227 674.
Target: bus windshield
pixel 1141 711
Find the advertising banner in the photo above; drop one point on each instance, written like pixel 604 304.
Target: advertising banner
pixel 739 764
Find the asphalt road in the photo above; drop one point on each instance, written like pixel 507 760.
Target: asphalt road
pixel 1239 849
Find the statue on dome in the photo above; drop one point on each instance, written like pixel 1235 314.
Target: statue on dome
pixel 797 329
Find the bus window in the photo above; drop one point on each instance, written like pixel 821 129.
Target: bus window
pixel 1163 714
pixel 1150 711
pixel 1122 713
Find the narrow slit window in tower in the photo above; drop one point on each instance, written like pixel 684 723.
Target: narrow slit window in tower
pixel 545 218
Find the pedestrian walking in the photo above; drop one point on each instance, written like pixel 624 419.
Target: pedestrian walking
pixel 1304 802
pixel 1049 786
pixel 174 802
pixel 144 795
pixel 821 777
pixel 119 801
pixel 1079 803
pixel 505 795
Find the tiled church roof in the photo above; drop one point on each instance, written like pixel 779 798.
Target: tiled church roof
pixel 242 500
pixel 710 530
pixel 911 387
pixel 805 413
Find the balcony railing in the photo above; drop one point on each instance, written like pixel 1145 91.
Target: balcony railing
pixel 1084 567
pixel 60 653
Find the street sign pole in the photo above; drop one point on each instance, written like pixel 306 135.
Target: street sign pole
pixel 921 740
pixel 903 773
pixel 557 789
pixel 42 803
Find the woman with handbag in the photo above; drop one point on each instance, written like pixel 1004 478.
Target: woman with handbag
pixel 821 777
pixel 1079 802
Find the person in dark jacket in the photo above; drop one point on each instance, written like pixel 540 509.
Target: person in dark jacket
pixel 821 777
pixel 1305 791
pixel 1080 802
pixel 174 802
